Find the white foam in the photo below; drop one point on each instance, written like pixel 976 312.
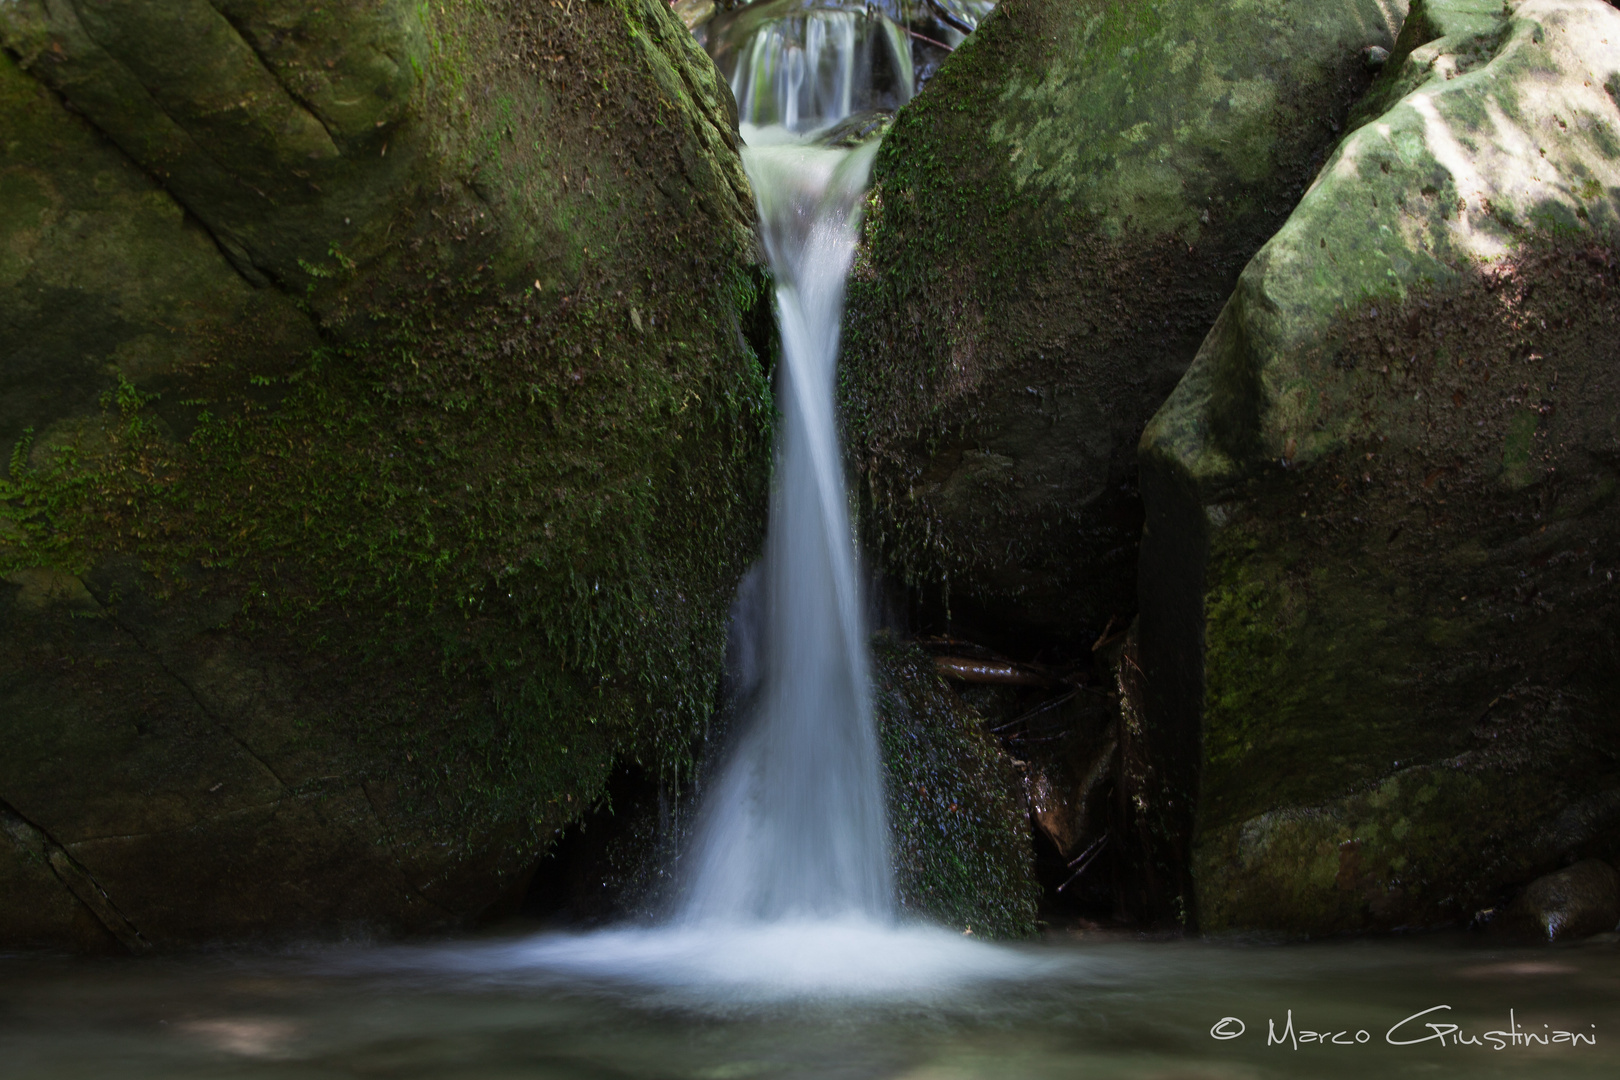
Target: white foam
pixel 763 962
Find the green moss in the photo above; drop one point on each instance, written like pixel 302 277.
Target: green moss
pixel 516 482
pixel 1372 857
pixel 962 846
pixel 1309 666
pixel 1054 222
pixel 1517 469
pixel 1398 502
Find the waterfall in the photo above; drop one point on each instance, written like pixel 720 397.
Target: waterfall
pixel 815 67
pixel 796 824
pixel 787 885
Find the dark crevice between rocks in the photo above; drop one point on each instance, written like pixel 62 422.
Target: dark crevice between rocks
pixel 612 863
pixel 74 877
pixel 1053 710
pixel 1162 676
pixel 757 323
pixel 1077 887
pixel 247 39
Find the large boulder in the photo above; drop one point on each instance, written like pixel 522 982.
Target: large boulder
pixel 383 448
pixel 1054 224
pixel 1379 621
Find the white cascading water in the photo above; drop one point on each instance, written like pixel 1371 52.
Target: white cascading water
pixel 788 889
pixel 796 824
pixel 814 68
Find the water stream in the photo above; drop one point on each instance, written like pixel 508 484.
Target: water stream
pixel 783 957
pixel 809 68
pixel 787 886
pixel 796 826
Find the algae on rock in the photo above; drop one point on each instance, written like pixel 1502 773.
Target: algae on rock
pixel 385 442
pixel 1054 224
pixel 962 849
pixel 1379 629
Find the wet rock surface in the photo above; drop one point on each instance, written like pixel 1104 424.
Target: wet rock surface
pixel 1378 621
pixel 383 444
pixel 1575 902
pixel 962 850
pixel 1054 225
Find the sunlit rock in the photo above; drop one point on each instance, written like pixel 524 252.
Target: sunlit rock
pixel 1379 621
pixel 1055 222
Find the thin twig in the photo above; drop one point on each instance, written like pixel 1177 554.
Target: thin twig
pixel 1095 849
pixel 950 20
pixel 931 41
pixel 1037 710
pixel 1093 846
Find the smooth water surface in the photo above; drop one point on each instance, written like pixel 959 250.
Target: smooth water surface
pixel 514 1008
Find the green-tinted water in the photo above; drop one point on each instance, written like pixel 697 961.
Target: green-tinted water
pixel 1072 1009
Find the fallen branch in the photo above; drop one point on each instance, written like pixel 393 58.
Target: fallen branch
pixel 1037 710
pixel 1107 636
pixel 963 669
pixel 929 40
pixel 1090 856
pixel 945 16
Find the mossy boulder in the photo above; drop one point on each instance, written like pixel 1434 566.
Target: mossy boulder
pixel 384 443
pixel 961 833
pixel 1054 224
pixel 1379 609
pixel 1575 902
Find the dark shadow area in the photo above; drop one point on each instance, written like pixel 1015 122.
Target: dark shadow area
pixel 1078 890
pixel 1052 708
pixel 612 863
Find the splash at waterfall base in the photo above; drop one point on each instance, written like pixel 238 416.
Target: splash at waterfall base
pixel 786 959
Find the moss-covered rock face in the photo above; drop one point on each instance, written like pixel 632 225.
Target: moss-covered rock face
pixel 384 447
pixel 1379 612
pixel 1054 224
pixel 962 851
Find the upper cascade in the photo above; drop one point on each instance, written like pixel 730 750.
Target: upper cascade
pixel 807 64
pixel 817 65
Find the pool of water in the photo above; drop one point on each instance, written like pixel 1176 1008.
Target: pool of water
pixel 808 1002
